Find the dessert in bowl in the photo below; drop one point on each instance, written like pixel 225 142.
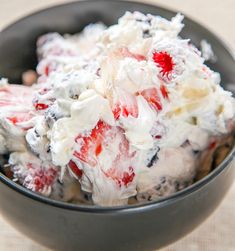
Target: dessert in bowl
pixel 117 118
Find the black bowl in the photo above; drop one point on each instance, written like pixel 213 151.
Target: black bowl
pixel 63 226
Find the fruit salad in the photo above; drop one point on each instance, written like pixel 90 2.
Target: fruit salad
pixel 116 115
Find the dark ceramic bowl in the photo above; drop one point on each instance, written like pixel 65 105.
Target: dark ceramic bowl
pixel 62 226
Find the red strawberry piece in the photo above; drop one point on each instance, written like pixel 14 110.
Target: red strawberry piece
pixel 19 117
pixel 14 120
pixel 98 149
pixel 116 172
pixel 40 106
pixel 126 105
pixel 128 176
pixel 124 178
pixel 39 177
pixel 91 146
pixel 125 111
pixel 152 97
pixel 46 66
pixel 158 137
pixel 47 70
pixel 164 61
pixel 103 137
pixel 117 112
pixel 164 92
pixel 75 169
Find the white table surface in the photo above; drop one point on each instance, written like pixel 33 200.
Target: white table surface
pixel 218 232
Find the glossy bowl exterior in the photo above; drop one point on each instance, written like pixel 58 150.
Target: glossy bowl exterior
pixel 62 226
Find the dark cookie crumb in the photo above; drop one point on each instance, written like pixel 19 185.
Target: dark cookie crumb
pixel 146 34
pixel 48 149
pixel 154 158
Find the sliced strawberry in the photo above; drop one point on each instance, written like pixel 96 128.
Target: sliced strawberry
pixel 84 155
pixel 164 61
pixel 102 138
pixel 125 111
pixel 124 52
pixel 98 149
pixel 19 117
pixel 119 173
pixel 42 105
pixel 124 178
pixel 128 176
pixel 152 97
pixel 39 177
pixel 75 169
pixel 91 146
pixel 117 112
pixel 126 105
pixel 164 92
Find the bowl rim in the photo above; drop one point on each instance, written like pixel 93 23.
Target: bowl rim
pixel 126 208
